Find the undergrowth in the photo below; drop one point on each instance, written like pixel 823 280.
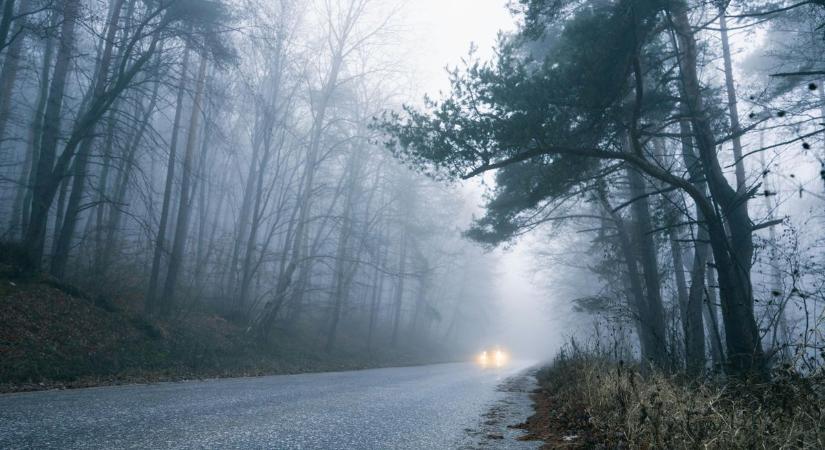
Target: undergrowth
pixel 53 335
pixel 595 401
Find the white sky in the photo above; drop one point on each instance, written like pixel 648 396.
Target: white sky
pixel 440 33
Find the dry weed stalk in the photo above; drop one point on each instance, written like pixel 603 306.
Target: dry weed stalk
pixel 625 410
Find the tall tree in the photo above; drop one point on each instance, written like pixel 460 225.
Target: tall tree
pixel 185 198
pixel 535 120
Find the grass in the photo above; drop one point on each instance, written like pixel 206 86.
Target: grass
pixel 587 400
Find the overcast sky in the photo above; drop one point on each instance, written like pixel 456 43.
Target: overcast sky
pixel 440 33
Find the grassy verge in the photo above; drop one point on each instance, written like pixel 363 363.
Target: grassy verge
pixel 54 336
pixel 588 401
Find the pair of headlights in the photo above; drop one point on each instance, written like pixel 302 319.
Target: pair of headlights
pixel 492 358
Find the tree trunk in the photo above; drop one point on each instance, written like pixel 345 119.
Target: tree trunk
pixel 776 305
pixel 160 241
pixel 739 163
pixel 66 232
pixel 399 289
pixel 342 278
pixel 646 249
pixel 8 75
pixel 250 192
pixel 103 194
pixel 637 301
pixel 122 182
pixel 717 349
pixel 732 255
pixel 36 130
pixel 692 321
pixel 5 23
pixel 184 207
pixel 42 191
pixel 304 203
pixel 377 293
pixel 252 227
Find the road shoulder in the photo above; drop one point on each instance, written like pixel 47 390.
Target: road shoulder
pixel 500 426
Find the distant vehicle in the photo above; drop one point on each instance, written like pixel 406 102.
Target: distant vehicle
pixel 492 357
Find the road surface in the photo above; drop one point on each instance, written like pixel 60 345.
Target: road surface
pixel 423 407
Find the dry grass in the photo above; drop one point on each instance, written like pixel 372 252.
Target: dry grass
pixel 615 407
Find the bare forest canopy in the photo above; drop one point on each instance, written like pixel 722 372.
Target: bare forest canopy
pixel 254 159
pixel 200 155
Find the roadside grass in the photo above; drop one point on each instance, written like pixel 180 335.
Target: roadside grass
pixel 588 400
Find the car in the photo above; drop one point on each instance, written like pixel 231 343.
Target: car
pixel 492 357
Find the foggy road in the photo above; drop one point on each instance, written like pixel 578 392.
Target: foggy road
pixel 411 407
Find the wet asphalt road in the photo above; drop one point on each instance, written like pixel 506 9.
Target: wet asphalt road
pixel 411 407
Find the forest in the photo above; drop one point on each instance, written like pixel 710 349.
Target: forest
pixel 184 158
pixel 259 170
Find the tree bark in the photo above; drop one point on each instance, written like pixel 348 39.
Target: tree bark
pixel 5 23
pixel 646 249
pixel 36 130
pixel 733 110
pixel 44 178
pixel 66 232
pixel 151 303
pixel 732 255
pixel 8 75
pixel 184 206
pixel 692 321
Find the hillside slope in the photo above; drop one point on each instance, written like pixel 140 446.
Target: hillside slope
pixel 54 335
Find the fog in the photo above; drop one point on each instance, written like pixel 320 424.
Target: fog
pixel 428 178
pixel 532 321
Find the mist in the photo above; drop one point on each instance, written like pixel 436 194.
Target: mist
pixel 500 193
